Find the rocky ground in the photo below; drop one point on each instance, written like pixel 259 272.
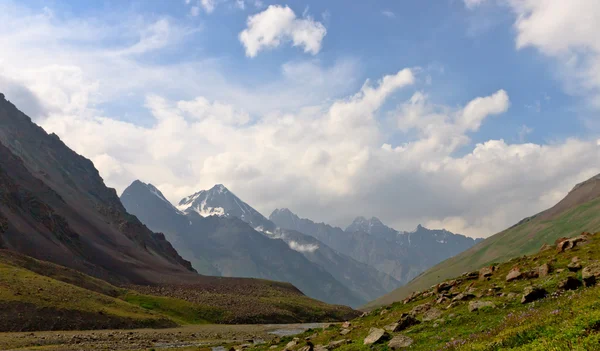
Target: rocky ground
pixel 199 337
pixel 547 301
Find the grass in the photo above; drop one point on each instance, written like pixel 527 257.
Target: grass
pixel 36 289
pixel 564 320
pixel 180 311
pixel 522 239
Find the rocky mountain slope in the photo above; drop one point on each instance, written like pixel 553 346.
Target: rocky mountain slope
pixel 577 212
pixel 226 245
pixel 546 301
pixel 56 207
pixel 402 255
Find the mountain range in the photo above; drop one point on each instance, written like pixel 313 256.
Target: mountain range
pixel 223 235
pixel 402 255
pixel 233 239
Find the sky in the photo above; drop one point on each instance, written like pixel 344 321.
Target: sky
pixel 467 115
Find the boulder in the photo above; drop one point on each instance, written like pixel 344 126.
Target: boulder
pixel 570 283
pixel 477 305
pixel 470 275
pixel 399 342
pixel 441 300
pixel 432 314
pixel 591 274
pixel 406 321
pixel 420 309
pixel 375 336
pixel 574 265
pixel 568 244
pixel 291 344
pixel 320 348
pixel 391 327
pixel 345 331
pixel 463 297
pixel 452 305
pixel 532 293
pixel 486 272
pixel 346 325
pixel 514 274
pixel 544 270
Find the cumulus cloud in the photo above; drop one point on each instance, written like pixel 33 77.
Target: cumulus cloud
pixel 277 25
pixel 388 13
pixel 303 141
pixel 565 31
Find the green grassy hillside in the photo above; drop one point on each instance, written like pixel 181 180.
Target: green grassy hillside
pixel 444 318
pixel 38 295
pixel 522 239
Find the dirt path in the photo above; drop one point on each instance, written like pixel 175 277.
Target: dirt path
pixel 197 337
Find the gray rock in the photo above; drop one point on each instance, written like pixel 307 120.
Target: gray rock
pixel 406 321
pixel 432 314
pixel 375 336
pixel 399 342
pixel 514 274
pixel 591 274
pixel 345 331
pixel 335 344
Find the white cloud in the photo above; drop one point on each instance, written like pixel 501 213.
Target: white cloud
pixel 208 5
pixel 278 24
pixel 473 3
pixel 565 31
pixel 388 13
pixel 195 11
pixel 303 247
pixel 304 140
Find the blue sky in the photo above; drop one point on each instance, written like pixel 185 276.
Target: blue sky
pixel 171 93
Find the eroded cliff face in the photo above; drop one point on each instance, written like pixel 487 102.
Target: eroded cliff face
pixel 56 207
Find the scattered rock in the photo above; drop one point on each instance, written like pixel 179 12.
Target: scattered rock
pixel 345 331
pixel 399 342
pixel 432 314
pixel 531 274
pixel 532 293
pixel 545 247
pixel 477 305
pixel 560 270
pixel 571 283
pixel 420 309
pixel 441 300
pixel 514 274
pixel 346 325
pixel 320 348
pixel 291 344
pixel 391 327
pixel 463 297
pixel 544 269
pixel 591 274
pixel 470 275
pixel 376 335
pixel 384 311
pixel 574 265
pixel 486 272
pixel 406 321
pixel 565 244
